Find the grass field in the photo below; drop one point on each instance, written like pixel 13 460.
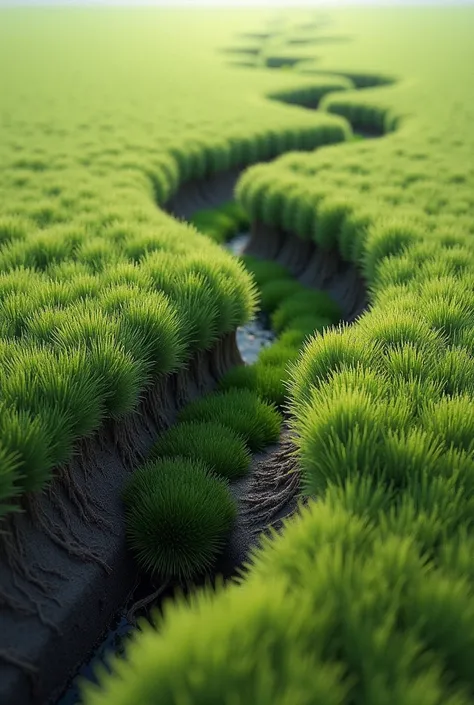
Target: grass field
pixel 367 597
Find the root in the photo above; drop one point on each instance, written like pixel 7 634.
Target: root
pixel 58 536
pixel 13 660
pixel 148 600
pixel 17 561
pixel 15 605
pixel 276 481
pixel 87 507
pixel 30 671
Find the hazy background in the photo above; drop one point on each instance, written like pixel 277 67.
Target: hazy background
pixel 232 3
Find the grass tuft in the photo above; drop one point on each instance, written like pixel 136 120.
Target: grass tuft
pixel 241 410
pixel 178 516
pixel 222 450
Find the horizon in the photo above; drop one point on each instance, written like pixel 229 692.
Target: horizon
pixel 243 4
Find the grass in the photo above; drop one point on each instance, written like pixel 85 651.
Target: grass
pixel 375 576
pixel 179 515
pixel 217 446
pixel 87 259
pixel 257 422
pixel 221 223
pixel 367 597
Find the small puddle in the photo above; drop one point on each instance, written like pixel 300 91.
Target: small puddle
pixel 256 334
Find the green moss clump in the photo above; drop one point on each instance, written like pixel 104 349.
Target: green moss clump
pixel 178 516
pixel 216 445
pixel 257 422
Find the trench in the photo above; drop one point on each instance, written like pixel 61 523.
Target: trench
pixel 312 266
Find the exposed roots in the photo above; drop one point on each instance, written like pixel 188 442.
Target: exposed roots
pixel 17 561
pixel 13 545
pixel 61 538
pixel 83 501
pixel 13 660
pixel 144 602
pixel 15 605
pixel 30 671
pixel 275 482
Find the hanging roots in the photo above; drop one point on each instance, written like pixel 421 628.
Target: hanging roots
pixel 55 531
pixel 275 482
pixel 144 602
pixel 21 571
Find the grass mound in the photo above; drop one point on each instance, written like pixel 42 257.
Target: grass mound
pixel 257 422
pixel 178 515
pixel 268 381
pixel 275 291
pixel 216 445
pixel 305 303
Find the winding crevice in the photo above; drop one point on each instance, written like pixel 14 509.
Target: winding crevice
pixel 270 492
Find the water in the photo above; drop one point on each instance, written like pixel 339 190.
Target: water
pixel 255 335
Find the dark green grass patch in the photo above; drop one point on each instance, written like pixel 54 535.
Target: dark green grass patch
pixel 278 355
pixel 178 515
pixel 265 271
pixel 221 223
pixel 241 410
pixel 275 291
pixel 266 380
pixel 216 445
pixel 218 226
pixel 303 303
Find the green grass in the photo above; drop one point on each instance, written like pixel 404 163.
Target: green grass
pixel 257 422
pixel 89 261
pixel 221 223
pixel 367 598
pixel 216 445
pixel 268 381
pixel 179 515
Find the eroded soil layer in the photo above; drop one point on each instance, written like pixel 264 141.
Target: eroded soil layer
pixel 65 571
pixel 310 264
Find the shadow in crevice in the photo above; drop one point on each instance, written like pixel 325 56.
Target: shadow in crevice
pixel 253 51
pixel 360 80
pixel 308 41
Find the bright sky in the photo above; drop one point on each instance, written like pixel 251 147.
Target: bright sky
pixel 234 3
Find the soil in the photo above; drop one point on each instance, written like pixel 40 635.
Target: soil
pixel 65 570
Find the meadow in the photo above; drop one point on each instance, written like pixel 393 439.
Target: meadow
pixel 350 135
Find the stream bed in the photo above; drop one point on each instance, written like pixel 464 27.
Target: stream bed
pixel 251 338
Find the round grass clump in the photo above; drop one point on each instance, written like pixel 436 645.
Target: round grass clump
pixel 178 516
pixel 278 355
pixel 152 331
pixel 293 338
pixel 240 377
pixel 257 422
pixel 312 303
pixel 268 381
pixel 451 420
pixel 307 325
pixel 218 226
pixel 236 212
pixel 274 292
pixel 219 447
pixel 271 383
pixel 264 271
pixel 329 353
